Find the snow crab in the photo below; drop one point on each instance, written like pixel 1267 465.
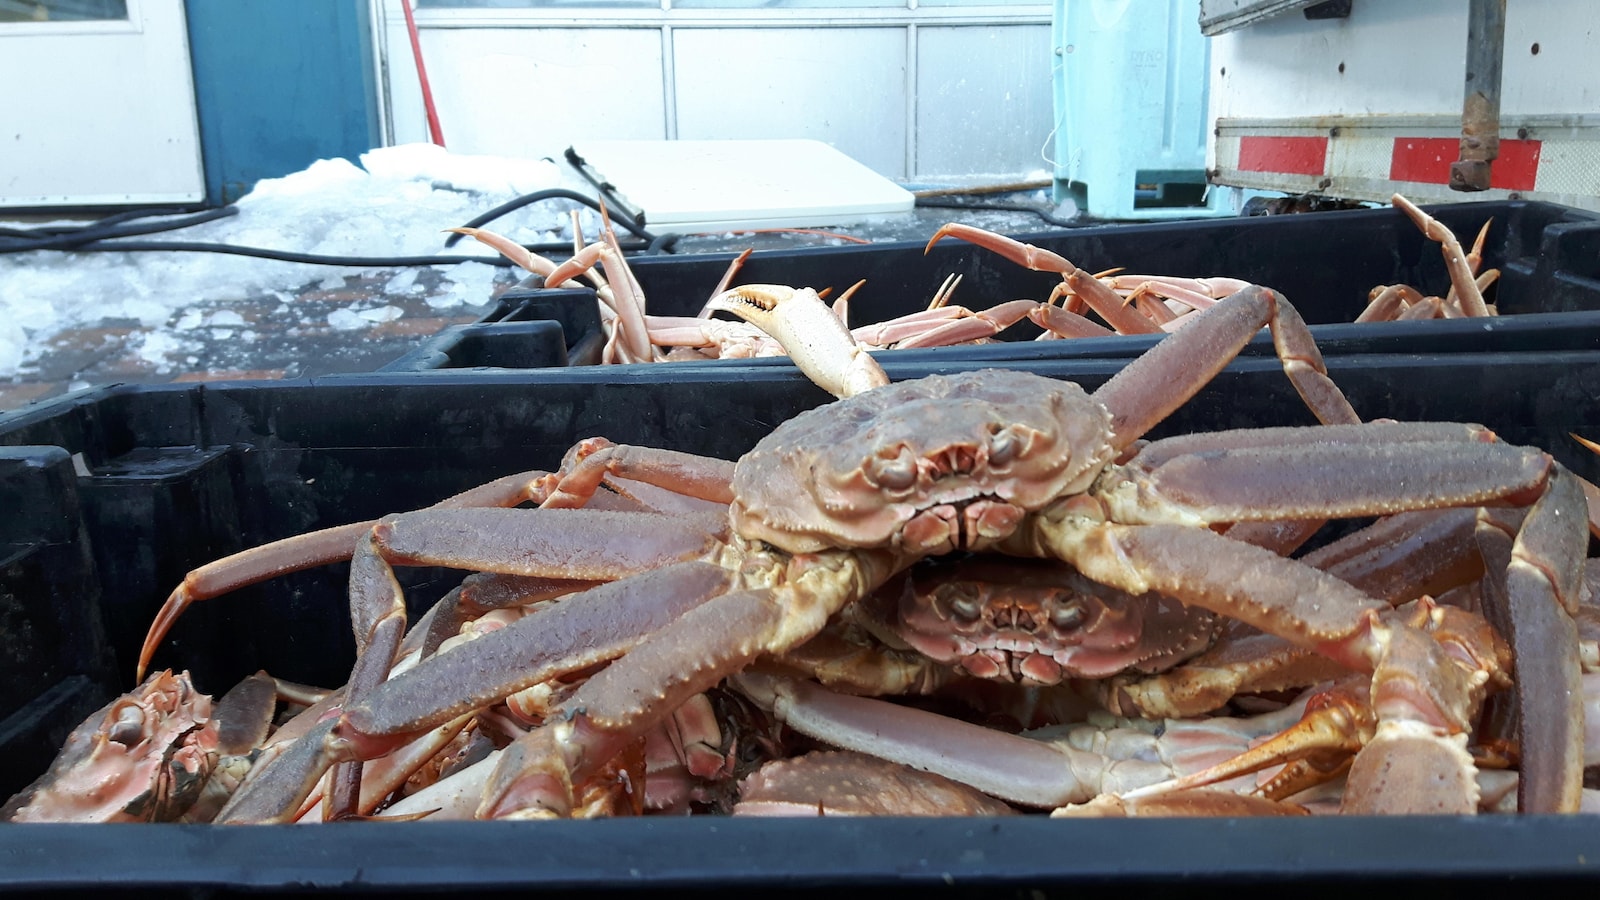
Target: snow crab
pixel 838 501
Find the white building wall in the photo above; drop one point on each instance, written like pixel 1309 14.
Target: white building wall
pixel 916 93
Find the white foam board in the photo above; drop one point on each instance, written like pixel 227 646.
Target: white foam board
pixel 693 186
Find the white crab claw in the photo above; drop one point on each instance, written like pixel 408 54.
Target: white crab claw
pixel 810 333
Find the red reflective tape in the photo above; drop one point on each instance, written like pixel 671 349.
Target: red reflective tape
pixel 1428 160
pixel 1289 155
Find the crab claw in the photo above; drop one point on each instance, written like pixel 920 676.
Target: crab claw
pixel 810 333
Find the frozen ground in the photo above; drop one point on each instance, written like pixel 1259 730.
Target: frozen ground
pixel 68 319
pixel 394 204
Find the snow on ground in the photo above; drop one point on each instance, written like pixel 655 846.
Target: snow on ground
pixel 396 203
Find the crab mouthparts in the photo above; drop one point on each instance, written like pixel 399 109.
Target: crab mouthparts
pixel 961 525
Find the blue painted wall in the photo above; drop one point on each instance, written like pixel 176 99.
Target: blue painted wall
pixel 279 85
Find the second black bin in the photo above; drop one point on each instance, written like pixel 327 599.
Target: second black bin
pixel 1325 263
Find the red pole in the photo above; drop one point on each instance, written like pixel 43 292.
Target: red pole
pixel 422 76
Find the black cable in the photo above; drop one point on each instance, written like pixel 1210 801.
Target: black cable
pixel 70 239
pixel 105 235
pixel 113 219
pixel 663 243
pixel 316 259
pixel 626 221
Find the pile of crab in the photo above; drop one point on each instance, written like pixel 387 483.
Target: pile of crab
pixel 977 594
pixel 1120 302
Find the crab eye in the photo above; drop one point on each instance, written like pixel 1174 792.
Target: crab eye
pixel 966 607
pixel 1067 616
pixel 128 729
pixel 961 599
pixel 1003 447
pixel 897 474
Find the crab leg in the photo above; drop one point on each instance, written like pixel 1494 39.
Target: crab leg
pixel 567 637
pixel 1302 604
pixel 1337 723
pixel 1392 569
pixel 1155 309
pixel 1242 660
pixel 627 298
pixel 986 323
pixel 1455 259
pixel 1001 765
pixel 506 540
pixel 883 334
pixel 537 774
pixel 481 592
pixel 725 281
pixel 1070 766
pixel 1389 303
pixel 1062 323
pixel 1294 601
pixel 1397 559
pixel 596 458
pixel 1101 299
pixel 462 538
pixel 308 551
pixel 1523 570
pixel 842 783
pixel 1190 358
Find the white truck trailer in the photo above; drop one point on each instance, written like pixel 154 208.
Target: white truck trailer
pixel 1441 100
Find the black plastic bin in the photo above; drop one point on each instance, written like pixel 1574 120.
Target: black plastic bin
pixel 1325 263
pixel 111 495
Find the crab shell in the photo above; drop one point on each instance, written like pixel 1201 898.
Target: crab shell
pixel 927 466
pixel 143 757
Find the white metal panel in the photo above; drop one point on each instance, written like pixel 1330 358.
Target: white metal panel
pixel 1550 66
pixel 1292 66
pixel 826 81
pixel 687 185
pixel 982 119
pixel 1404 59
pixel 523 90
pixel 842 86
pixel 100 113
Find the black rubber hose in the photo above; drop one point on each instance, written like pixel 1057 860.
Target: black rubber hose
pixel 74 239
pixel 316 259
pixel 626 221
pixel 113 219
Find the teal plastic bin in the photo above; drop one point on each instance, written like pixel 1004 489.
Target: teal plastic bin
pixel 1130 89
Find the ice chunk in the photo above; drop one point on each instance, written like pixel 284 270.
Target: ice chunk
pixel 382 314
pixel 346 320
